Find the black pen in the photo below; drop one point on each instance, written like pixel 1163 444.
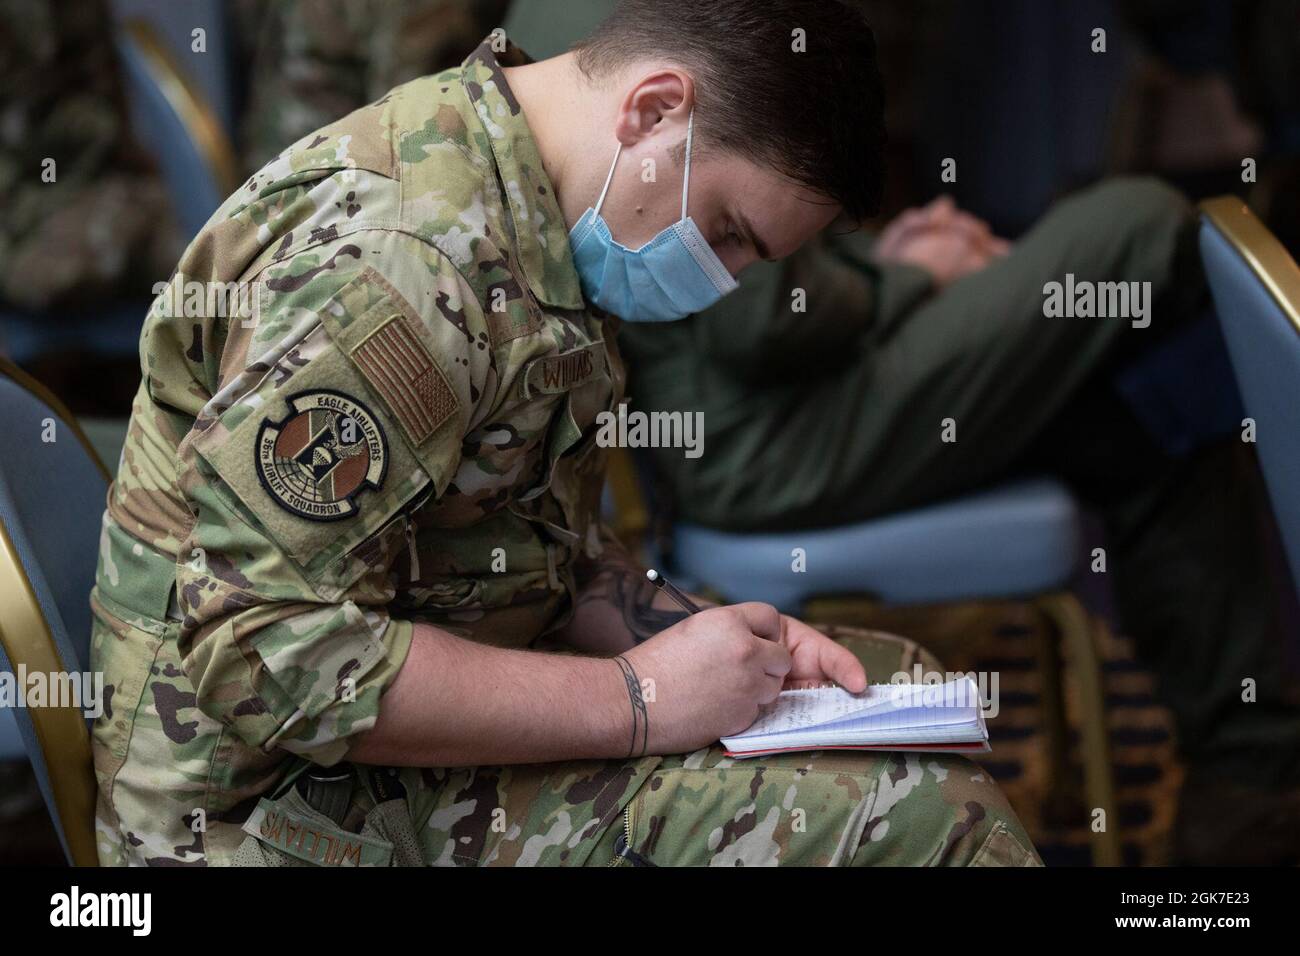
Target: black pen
pixel 663 584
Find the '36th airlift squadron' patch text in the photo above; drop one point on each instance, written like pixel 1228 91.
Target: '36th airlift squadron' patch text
pixel 322 455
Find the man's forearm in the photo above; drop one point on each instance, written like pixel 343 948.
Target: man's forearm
pixel 617 611
pixel 458 703
pixel 616 607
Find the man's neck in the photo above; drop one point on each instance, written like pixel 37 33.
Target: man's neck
pixel 556 100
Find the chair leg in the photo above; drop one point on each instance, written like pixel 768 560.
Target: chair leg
pixel 1076 632
pixel 1060 803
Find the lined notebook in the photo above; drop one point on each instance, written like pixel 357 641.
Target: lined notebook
pixel 934 718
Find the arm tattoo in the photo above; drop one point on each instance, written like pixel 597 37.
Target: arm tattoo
pixel 640 715
pixel 632 594
pixel 619 581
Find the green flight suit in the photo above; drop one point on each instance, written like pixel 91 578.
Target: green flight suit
pixel 836 414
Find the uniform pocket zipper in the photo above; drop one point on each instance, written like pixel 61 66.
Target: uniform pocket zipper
pixel 623 845
pixel 404 514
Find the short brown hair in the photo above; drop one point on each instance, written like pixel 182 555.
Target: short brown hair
pixel 816 114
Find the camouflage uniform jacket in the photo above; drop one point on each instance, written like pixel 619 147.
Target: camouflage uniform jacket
pixel 401 429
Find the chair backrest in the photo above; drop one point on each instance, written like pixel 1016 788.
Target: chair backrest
pixel 51 501
pixel 174 121
pixel 1256 288
pixel 210 60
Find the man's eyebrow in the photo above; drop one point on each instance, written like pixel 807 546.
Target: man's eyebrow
pixel 747 231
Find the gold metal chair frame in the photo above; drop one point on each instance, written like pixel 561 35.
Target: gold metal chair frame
pixel 24 631
pixel 1267 257
pixel 25 636
pixel 185 97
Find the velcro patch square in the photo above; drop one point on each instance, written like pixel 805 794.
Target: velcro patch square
pixel 400 369
pixel 513 323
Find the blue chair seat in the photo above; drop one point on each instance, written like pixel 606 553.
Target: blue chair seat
pixel 1018 539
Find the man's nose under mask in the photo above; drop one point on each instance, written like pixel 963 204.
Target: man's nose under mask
pixel 670 277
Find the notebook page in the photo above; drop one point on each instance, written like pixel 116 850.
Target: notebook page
pixel 906 717
pixel 796 710
pixel 918 705
pixel 799 709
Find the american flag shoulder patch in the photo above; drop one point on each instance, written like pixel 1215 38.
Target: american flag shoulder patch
pixel 402 371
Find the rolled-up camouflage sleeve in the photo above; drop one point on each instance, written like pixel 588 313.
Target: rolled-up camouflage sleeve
pixel 339 408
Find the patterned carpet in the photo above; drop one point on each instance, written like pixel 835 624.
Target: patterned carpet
pixel 1003 638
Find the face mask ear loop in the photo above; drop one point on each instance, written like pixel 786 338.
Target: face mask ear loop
pixel 608 179
pixel 686 181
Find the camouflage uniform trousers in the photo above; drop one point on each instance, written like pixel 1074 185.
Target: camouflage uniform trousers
pixel 828 808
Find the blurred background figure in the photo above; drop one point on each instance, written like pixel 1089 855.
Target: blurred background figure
pixel 86 216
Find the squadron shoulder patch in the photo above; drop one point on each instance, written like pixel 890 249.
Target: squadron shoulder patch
pixel 325 452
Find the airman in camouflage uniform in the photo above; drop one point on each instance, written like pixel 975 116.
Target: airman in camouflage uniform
pixel 412 396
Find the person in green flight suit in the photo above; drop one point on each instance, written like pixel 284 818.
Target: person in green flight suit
pixel 833 383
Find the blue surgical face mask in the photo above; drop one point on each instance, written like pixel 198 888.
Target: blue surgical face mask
pixel 672 276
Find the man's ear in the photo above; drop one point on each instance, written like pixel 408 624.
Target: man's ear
pixel 665 94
